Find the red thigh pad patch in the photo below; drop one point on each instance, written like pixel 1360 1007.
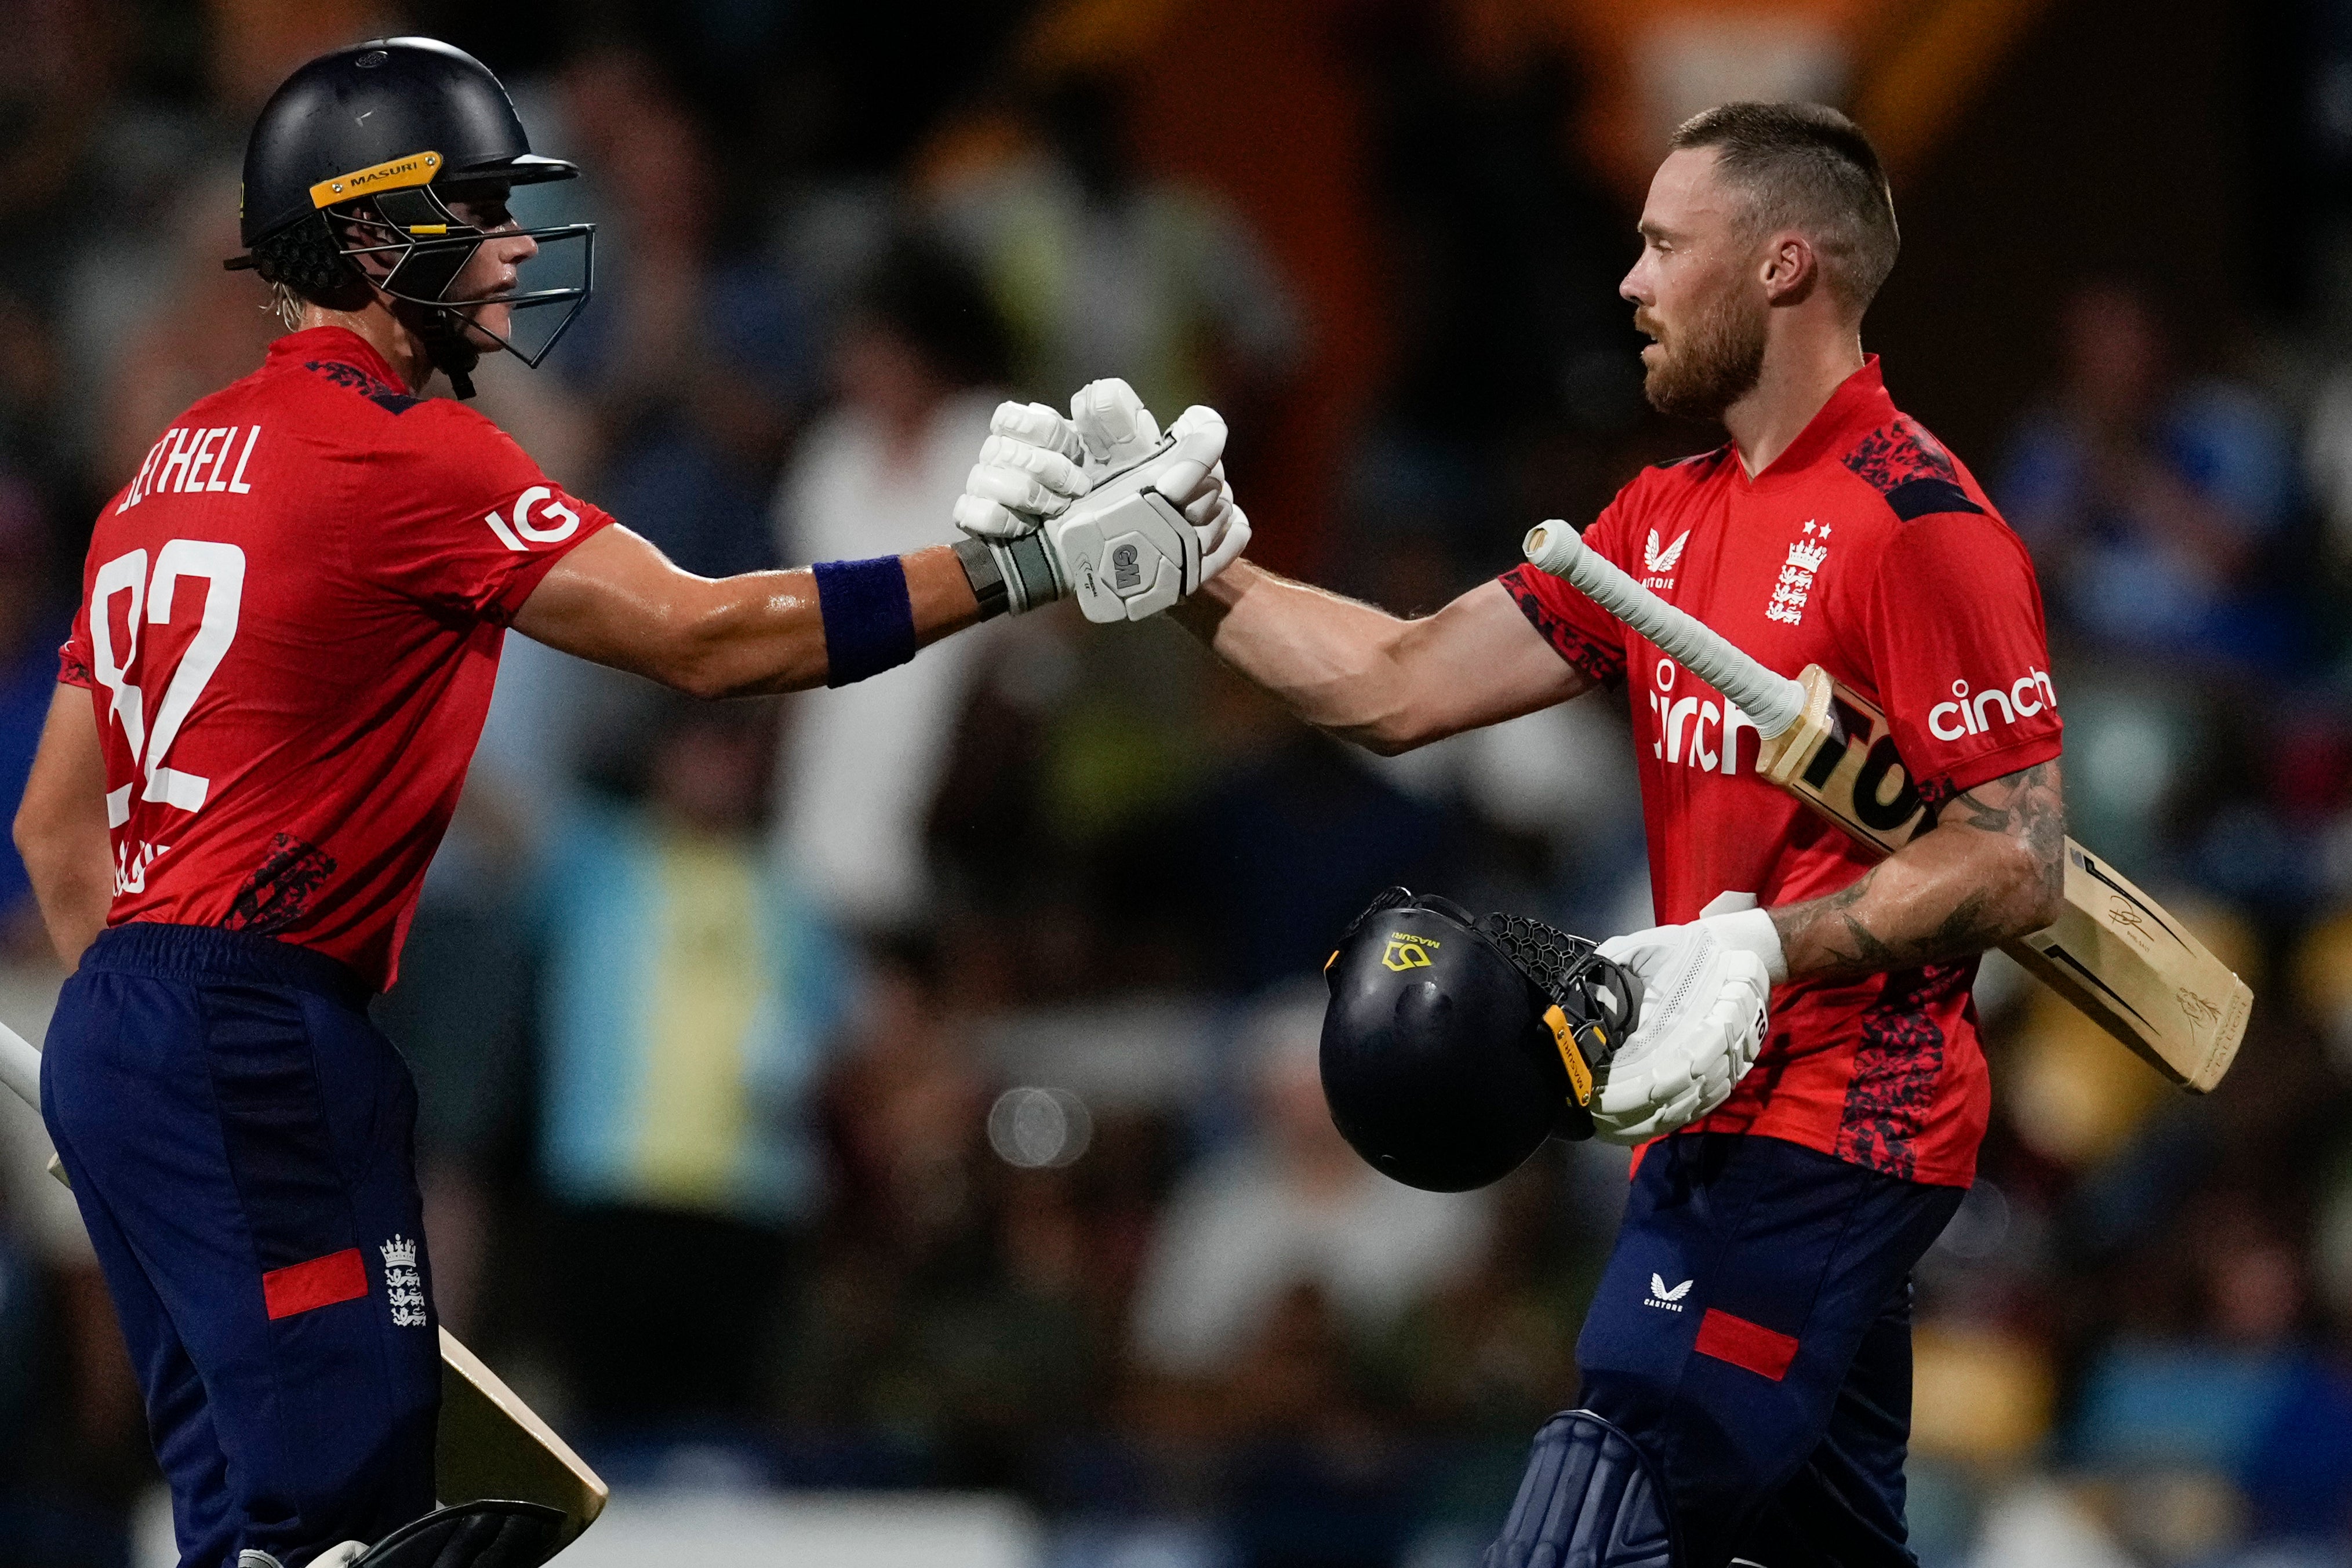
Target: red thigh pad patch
pixel 1764 1351
pixel 320 1282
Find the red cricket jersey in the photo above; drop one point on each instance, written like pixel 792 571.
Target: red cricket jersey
pixel 1868 550
pixel 289 627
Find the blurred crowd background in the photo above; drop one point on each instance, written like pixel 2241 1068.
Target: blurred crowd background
pixel 910 1089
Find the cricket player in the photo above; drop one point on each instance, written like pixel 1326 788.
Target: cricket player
pixel 290 626
pixel 1746 1360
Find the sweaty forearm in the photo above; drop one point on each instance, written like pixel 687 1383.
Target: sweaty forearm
pixel 1993 869
pixel 618 601
pixel 1388 684
pixel 767 634
pixel 1338 663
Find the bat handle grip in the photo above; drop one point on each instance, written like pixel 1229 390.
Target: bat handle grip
pixel 20 1066
pixel 1771 700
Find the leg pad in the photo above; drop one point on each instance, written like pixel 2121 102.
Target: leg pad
pixel 1590 1500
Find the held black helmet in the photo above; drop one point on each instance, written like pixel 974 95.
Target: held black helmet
pixel 349 177
pixel 1453 1045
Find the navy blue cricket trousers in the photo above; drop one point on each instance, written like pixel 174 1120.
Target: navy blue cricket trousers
pixel 1752 1334
pixel 240 1140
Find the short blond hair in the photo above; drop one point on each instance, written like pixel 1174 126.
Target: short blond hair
pixel 1808 167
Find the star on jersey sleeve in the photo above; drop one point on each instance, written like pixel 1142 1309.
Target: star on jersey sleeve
pixel 1953 619
pixel 462 518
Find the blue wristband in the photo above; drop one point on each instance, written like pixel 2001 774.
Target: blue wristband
pixel 869 621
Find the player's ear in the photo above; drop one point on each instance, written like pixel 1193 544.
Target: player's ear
pixel 1790 269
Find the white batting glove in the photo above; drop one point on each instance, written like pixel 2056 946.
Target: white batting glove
pixel 1035 462
pixel 1145 522
pixel 1704 1005
pixel 1734 918
pixel 1028 471
pixel 1121 436
pixel 1223 527
pixel 1115 428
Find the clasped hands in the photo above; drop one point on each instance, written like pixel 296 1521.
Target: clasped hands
pixel 1132 519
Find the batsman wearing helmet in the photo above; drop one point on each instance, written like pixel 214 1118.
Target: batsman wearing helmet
pixel 1745 1361
pixel 291 623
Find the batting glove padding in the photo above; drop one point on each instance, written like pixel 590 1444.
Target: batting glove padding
pixel 1131 519
pixel 1133 546
pixel 1224 528
pixel 1028 471
pixel 1704 1005
pixel 1116 431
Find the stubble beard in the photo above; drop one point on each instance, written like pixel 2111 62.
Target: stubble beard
pixel 1717 361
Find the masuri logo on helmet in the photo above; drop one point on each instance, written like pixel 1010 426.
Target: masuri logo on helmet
pixel 372 143
pixel 1407 951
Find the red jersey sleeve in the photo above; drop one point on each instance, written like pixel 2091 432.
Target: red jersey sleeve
pixel 73 654
pixel 1580 631
pixel 469 522
pixel 1953 618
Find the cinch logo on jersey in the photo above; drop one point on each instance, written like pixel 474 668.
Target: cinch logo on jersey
pixel 1972 715
pixel 561 523
pixel 187 459
pixel 1699 731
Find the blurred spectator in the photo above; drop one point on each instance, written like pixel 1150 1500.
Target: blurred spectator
pixel 37 444
pixel 687 996
pixel 186 327
pixel 2244 1409
pixel 1102 273
pixel 1315 1480
pixel 81 152
pixel 1492 1351
pixel 1291 1205
pixel 696 356
pixel 904 1109
pixel 956 1302
pixel 73 1448
pixel 916 365
pixel 1290 836
pixel 1503 249
pixel 2149 500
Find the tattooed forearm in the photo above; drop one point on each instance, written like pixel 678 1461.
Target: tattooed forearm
pixel 1993 867
pixel 2027 806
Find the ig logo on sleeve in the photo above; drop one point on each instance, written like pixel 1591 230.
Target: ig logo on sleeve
pixel 558 522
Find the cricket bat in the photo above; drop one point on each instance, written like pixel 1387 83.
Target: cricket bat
pixel 489 1444
pixel 2114 952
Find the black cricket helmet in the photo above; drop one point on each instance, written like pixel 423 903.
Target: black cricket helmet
pixel 1454 1046
pixel 381 138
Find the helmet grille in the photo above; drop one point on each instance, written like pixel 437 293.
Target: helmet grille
pixel 1570 970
